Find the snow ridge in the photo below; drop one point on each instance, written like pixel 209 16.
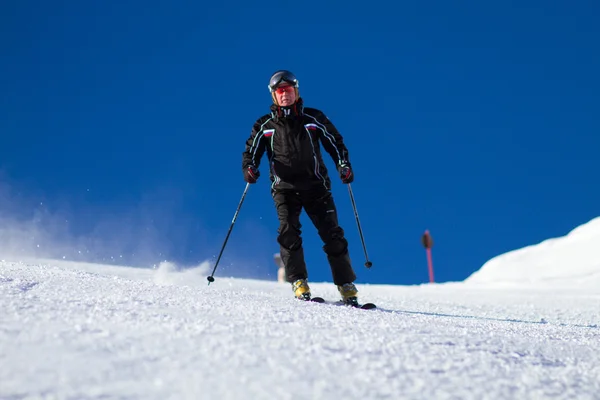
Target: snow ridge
pixel 572 261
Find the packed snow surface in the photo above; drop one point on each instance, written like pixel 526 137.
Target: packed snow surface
pixel 525 326
pixel 85 331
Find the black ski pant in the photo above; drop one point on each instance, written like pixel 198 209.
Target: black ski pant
pixel 320 208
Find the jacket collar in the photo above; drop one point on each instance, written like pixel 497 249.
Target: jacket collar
pixel 296 109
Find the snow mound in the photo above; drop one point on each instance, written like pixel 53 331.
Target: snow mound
pixel 571 261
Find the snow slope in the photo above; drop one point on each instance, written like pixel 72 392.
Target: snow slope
pixel 77 331
pixel 572 261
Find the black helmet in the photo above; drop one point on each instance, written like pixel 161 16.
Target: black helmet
pixel 282 76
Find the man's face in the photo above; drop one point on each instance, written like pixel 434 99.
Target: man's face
pixel 286 95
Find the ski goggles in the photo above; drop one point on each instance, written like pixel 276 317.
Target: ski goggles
pixel 284 89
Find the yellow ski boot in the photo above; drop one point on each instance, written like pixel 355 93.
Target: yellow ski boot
pixel 349 293
pixel 301 289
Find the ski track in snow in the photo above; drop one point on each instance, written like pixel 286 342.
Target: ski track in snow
pixel 100 332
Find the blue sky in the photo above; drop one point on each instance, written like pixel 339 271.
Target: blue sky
pixel 123 123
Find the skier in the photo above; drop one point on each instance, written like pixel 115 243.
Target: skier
pixel 291 135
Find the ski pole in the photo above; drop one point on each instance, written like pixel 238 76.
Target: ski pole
pixel 211 278
pixel 368 263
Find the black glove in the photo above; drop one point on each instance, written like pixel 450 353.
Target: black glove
pixel 346 173
pixel 251 174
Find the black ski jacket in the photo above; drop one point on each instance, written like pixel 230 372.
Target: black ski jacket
pixel 291 137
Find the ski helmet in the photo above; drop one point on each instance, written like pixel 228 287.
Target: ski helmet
pixel 282 76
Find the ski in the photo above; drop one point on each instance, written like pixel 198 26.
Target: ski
pixel 365 306
pixel 368 306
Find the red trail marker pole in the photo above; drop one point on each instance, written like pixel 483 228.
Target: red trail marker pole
pixel 427 241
